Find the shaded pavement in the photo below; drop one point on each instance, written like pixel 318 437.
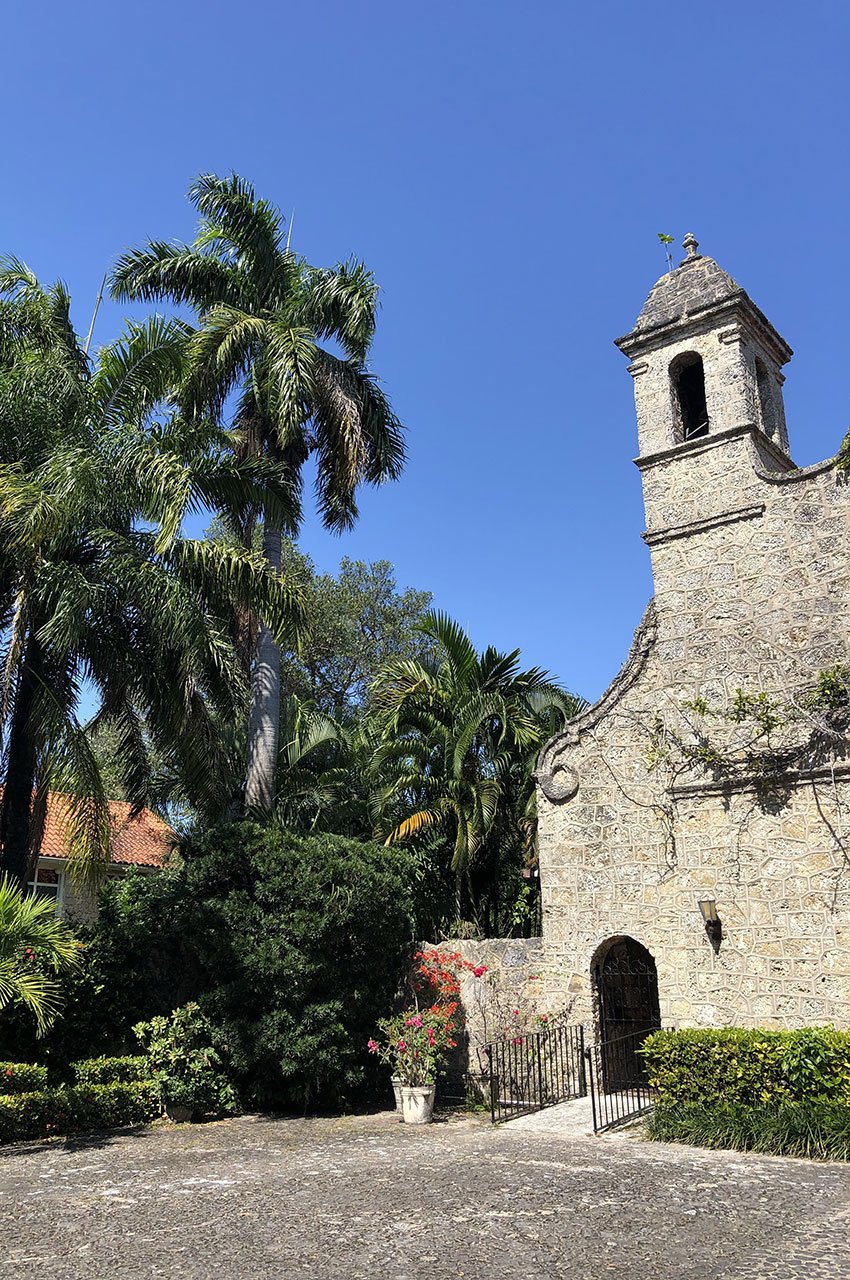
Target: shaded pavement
pixel 364 1196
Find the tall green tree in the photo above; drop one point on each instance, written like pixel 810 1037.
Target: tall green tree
pixel 460 732
pixel 358 622
pixel 97 586
pixel 289 344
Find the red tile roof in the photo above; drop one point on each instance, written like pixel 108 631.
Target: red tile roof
pixel 144 841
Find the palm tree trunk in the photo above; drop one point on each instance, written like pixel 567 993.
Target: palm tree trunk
pixel 264 719
pixel 17 858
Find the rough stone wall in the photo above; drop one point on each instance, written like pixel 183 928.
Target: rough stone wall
pixel 751 561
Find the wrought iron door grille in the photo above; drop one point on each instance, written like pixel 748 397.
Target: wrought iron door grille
pixel 627 990
pixel 536 1070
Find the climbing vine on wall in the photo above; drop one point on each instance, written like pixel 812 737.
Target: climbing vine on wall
pixel 757 739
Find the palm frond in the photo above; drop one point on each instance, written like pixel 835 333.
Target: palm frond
pixel 176 272
pixel 140 370
pixel 341 303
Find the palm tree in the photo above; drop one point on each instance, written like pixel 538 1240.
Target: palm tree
pixel 263 317
pixel 96 583
pixel 460 733
pixel 32 943
pixel 324 779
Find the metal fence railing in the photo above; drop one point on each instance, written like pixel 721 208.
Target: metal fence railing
pixel 537 1070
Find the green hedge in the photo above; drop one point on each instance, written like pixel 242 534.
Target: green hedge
pixel 21 1077
pixel 817 1131
pixel 111 1070
pixel 753 1068
pixel 100 1106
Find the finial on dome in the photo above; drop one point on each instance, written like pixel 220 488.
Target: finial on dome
pixel 690 244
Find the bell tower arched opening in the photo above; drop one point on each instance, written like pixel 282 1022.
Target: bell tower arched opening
pixel 688 379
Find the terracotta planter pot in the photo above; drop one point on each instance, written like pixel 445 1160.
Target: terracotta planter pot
pixel 177 1114
pixel 417 1103
pixel 397 1084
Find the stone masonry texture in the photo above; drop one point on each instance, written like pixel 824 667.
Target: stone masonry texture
pixel 750 558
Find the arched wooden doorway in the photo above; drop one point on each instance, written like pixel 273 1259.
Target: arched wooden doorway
pixel 625 983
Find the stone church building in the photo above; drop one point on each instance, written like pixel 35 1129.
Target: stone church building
pixel 676 790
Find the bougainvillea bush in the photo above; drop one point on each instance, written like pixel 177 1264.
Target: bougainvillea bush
pixel 415 1043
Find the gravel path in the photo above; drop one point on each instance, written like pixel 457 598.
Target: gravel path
pixel 253 1198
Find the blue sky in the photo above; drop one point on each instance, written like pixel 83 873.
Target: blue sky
pixel 504 170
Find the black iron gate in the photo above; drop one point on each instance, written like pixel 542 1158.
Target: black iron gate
pixel 619 1090
pixel 533 1071
pixel 626 983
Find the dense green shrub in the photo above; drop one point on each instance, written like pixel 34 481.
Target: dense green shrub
pixel 298 943
pixel 751 1067
pixel 134 965
pixel 292 946
pixel 21 1077
pixel 101 1106
pixel 105 1070
pixel 818 1131
pixel 186 1068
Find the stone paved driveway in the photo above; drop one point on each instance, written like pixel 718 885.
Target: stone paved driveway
pixel 252 1198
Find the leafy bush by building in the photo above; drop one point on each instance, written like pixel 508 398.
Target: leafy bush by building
pixel 105 1070
pixel 781 1092
pixel 132 967
pixel 183 1064
pixel 817 1131
pixel 292 946
pixel 45 1112
pixel 21 1077
pixel 750 1067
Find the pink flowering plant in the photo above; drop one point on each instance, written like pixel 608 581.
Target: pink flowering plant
pixel 414 1044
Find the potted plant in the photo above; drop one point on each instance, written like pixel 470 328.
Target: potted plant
pixel 184 1064
pixel 414 1045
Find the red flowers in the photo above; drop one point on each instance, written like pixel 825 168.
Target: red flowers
pixel 439 971
pixel 417 1040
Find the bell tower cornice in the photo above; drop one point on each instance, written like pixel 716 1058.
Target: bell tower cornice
pixel 732 318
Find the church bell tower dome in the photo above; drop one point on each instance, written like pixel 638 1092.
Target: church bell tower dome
pixel 705 360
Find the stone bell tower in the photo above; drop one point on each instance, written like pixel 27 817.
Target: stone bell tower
pixel 751 564
pixel 707 367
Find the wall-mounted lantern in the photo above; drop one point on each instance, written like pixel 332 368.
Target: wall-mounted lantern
pixel 713 924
